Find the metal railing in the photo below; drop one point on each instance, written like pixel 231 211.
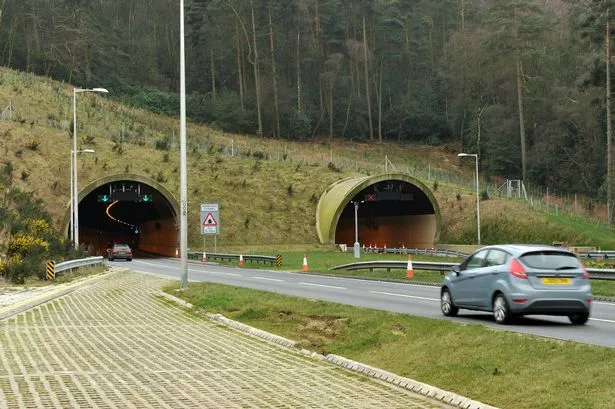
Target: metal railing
pixel 405 250
pixel 231 257
pixel 594 273
pixel 82 262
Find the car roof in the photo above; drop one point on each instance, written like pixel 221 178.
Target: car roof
pixel 519 249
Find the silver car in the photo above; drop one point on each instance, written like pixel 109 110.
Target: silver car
pixel 514 280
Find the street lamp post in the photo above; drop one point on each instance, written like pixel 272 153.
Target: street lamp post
pixel 75 200
pixel 357 246
pixel 183 175
pixel 475 155
pixel 72 213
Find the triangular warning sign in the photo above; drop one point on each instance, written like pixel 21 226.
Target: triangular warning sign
pixel 209 220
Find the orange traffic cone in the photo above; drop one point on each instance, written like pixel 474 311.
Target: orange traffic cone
pixel 409 271
pixel 240 259
pixel 204 259
pixel 305 266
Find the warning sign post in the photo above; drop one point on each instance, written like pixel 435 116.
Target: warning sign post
pixel 210 219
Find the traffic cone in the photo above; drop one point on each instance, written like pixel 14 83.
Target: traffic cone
pixel 240 259
pixel 409 271
pixel 305 266
pixel 385 248
pixel 204 259
pixel 176 252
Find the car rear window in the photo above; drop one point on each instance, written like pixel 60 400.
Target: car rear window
pixel 121 247
pixel 551 260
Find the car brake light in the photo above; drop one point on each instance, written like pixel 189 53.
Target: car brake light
pixel 585 274
pixel 517 269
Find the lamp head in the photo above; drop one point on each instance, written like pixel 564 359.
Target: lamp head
pixel 88 150
pixel 103 90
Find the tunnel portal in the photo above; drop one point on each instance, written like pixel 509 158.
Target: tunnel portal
pixel 394 210
pixel 124 209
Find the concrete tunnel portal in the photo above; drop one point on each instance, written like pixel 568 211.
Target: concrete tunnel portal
pixel 129 209
pixel 395 210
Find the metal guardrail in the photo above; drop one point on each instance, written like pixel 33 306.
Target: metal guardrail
pixel 230 257
pixel 594 273
pixel 404 250
pixel 82 262
pixel 597 254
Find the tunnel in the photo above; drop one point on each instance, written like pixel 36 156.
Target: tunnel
pixel 393 210
pixel 128 209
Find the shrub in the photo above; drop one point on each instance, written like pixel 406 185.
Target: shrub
pixel 33 145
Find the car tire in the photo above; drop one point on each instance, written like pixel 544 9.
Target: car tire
pixel 501 311
pixel 110 258
pixel 579 318
pixel 446 304
pixel 130 259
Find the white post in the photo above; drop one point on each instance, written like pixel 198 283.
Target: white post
pixel 182 142
pixel 477 201
pixel 74 167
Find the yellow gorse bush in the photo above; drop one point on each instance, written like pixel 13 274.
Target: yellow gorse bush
pixel 38 227
pixel 25 244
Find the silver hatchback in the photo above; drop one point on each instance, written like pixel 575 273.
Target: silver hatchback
pixel 523 279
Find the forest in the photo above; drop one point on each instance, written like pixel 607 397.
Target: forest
pixel 523 83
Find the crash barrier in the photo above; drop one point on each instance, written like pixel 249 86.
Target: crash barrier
pixel 53 268
pixel 594 273
pixel 404 250
pixel 230 257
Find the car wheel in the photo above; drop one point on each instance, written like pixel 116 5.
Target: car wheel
pixel 446 304
pixel 130 259
pixel 110 258
pixel 501 312
pixel 579 318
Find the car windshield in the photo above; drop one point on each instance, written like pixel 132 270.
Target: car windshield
pixel 551 260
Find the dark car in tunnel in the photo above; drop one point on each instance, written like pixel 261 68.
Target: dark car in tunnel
pixel 120 251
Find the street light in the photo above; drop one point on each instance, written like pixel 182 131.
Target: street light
pixel 72 213
pixel 357 246
pixel 475 155
pixel 74 161
pixel 183 176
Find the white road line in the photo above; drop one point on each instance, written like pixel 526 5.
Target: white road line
pixel 610 304
pixel 325 286
pixel 267 278
pixel 405 296
pixel 601 320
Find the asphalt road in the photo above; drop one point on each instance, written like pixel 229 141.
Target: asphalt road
pixel 409 299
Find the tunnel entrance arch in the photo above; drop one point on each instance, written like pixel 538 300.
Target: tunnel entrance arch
pixel 395 210
pixel 126 208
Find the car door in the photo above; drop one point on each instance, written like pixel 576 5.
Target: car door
pixel 464 280
pixel 485 278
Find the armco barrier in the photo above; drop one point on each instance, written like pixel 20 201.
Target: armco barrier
pixel 72 264
pixel 230 257
pixel 594 273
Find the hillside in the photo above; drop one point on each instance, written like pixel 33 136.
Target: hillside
pixel 267 189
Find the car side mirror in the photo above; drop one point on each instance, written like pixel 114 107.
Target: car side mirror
pixel 455 269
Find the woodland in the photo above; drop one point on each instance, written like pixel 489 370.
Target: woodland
pixel 523 83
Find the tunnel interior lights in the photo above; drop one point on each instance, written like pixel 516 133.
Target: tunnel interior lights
pixel 108 211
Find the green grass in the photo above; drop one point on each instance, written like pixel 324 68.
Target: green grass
pixel 501 368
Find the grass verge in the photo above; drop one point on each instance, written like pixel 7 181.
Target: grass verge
pixel 504 369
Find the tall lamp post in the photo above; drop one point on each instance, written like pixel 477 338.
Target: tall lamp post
pixel 357 246
pixel 475 155
pixel 74 162
pixel 183 176
pixel 72 213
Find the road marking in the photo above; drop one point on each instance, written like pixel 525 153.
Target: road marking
pixel 610 304
pixel 601 320
pixel 266 278
pixel 326 286
pixel 406 296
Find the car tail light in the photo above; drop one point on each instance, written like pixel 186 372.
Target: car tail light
pixel 585 274
pixel 517 269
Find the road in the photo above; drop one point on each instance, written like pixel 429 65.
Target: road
pixel 404 298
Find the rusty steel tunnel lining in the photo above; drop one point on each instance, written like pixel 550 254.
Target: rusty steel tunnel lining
pixel 395 210
pixel 143 214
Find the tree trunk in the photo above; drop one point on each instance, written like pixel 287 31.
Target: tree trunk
pixel 367 97
pixel 609 130
pixel 212 68
pixel 240 69
pixel 521 118
pixel 298 72
pixel 259 131
pixel 275 80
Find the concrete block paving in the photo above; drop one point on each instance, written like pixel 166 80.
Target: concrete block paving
pixel 115 344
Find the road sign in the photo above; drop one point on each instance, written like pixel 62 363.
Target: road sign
pixel 210 218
